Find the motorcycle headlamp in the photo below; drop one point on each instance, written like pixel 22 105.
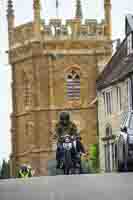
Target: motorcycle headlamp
pixel 67 140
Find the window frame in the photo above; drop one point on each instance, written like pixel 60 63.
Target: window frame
pixel 108 130
pixel 107 158
pixel 129 93
pixel 119 98
pixel 73 87
pixel 130 43
pixel 108 101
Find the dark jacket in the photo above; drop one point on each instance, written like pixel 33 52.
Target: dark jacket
pixel 80 147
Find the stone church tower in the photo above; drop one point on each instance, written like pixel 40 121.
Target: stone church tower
pixel 54 68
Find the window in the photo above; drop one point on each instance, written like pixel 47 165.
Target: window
pixel 130 43
pixel 109 149
pixel 113 156
pixel 107 158
pixel 124 117
pixel 131 122
pixel 127 91
pixel 27 91
pixel 119 103
pixel 73 85
pixel 129 95
pixel 109 152
pixel 108 131
pixel 108 102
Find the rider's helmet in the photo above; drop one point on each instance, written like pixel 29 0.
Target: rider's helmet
pixel 64 118
pixel 61 139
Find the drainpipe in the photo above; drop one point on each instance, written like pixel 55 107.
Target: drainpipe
pixel 98 153
pixel 131 79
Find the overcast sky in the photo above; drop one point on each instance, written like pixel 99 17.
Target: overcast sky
pixel 23 11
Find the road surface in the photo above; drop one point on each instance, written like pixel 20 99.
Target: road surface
pixel 83 187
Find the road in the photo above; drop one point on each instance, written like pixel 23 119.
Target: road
pixel 83 187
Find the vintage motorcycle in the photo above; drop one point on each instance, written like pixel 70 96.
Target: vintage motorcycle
pixel 71 159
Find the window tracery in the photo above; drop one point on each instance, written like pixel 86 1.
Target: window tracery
pixel 73 85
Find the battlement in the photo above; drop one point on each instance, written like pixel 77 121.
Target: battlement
pixel 56 30
pixel 72 29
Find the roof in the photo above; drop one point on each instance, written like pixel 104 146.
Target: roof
pixel 128 23
pixel 118 68
pixel 120 65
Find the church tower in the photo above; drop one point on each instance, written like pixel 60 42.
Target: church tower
pixel 54 69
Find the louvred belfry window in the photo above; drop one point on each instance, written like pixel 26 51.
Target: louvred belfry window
pixel 73 85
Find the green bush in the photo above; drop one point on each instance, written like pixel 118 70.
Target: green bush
pixel 93 157
pixel 90 164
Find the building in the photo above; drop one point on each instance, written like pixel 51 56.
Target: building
pixel 115 96
pixel 54 68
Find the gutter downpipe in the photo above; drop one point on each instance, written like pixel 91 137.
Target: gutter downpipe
pixel 131 79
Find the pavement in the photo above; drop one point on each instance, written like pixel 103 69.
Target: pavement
pixel 76 187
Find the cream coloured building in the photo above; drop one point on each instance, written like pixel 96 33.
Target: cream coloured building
pixel 115 96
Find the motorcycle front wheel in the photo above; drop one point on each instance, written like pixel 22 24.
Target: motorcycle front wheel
pixel 67 163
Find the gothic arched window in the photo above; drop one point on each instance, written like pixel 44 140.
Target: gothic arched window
pixel 73 85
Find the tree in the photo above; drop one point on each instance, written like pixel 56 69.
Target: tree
pixel 5 170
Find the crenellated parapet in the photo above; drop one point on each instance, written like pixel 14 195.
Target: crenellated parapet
pixel 56 30
pixel 72 29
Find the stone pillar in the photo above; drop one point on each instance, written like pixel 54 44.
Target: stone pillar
pixel 108 19
pixel 37 18
pixel 10 21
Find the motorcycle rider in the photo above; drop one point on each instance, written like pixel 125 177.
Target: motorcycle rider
pixel 65 127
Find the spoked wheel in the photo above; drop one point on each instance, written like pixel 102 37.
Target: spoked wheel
pixel 67 163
